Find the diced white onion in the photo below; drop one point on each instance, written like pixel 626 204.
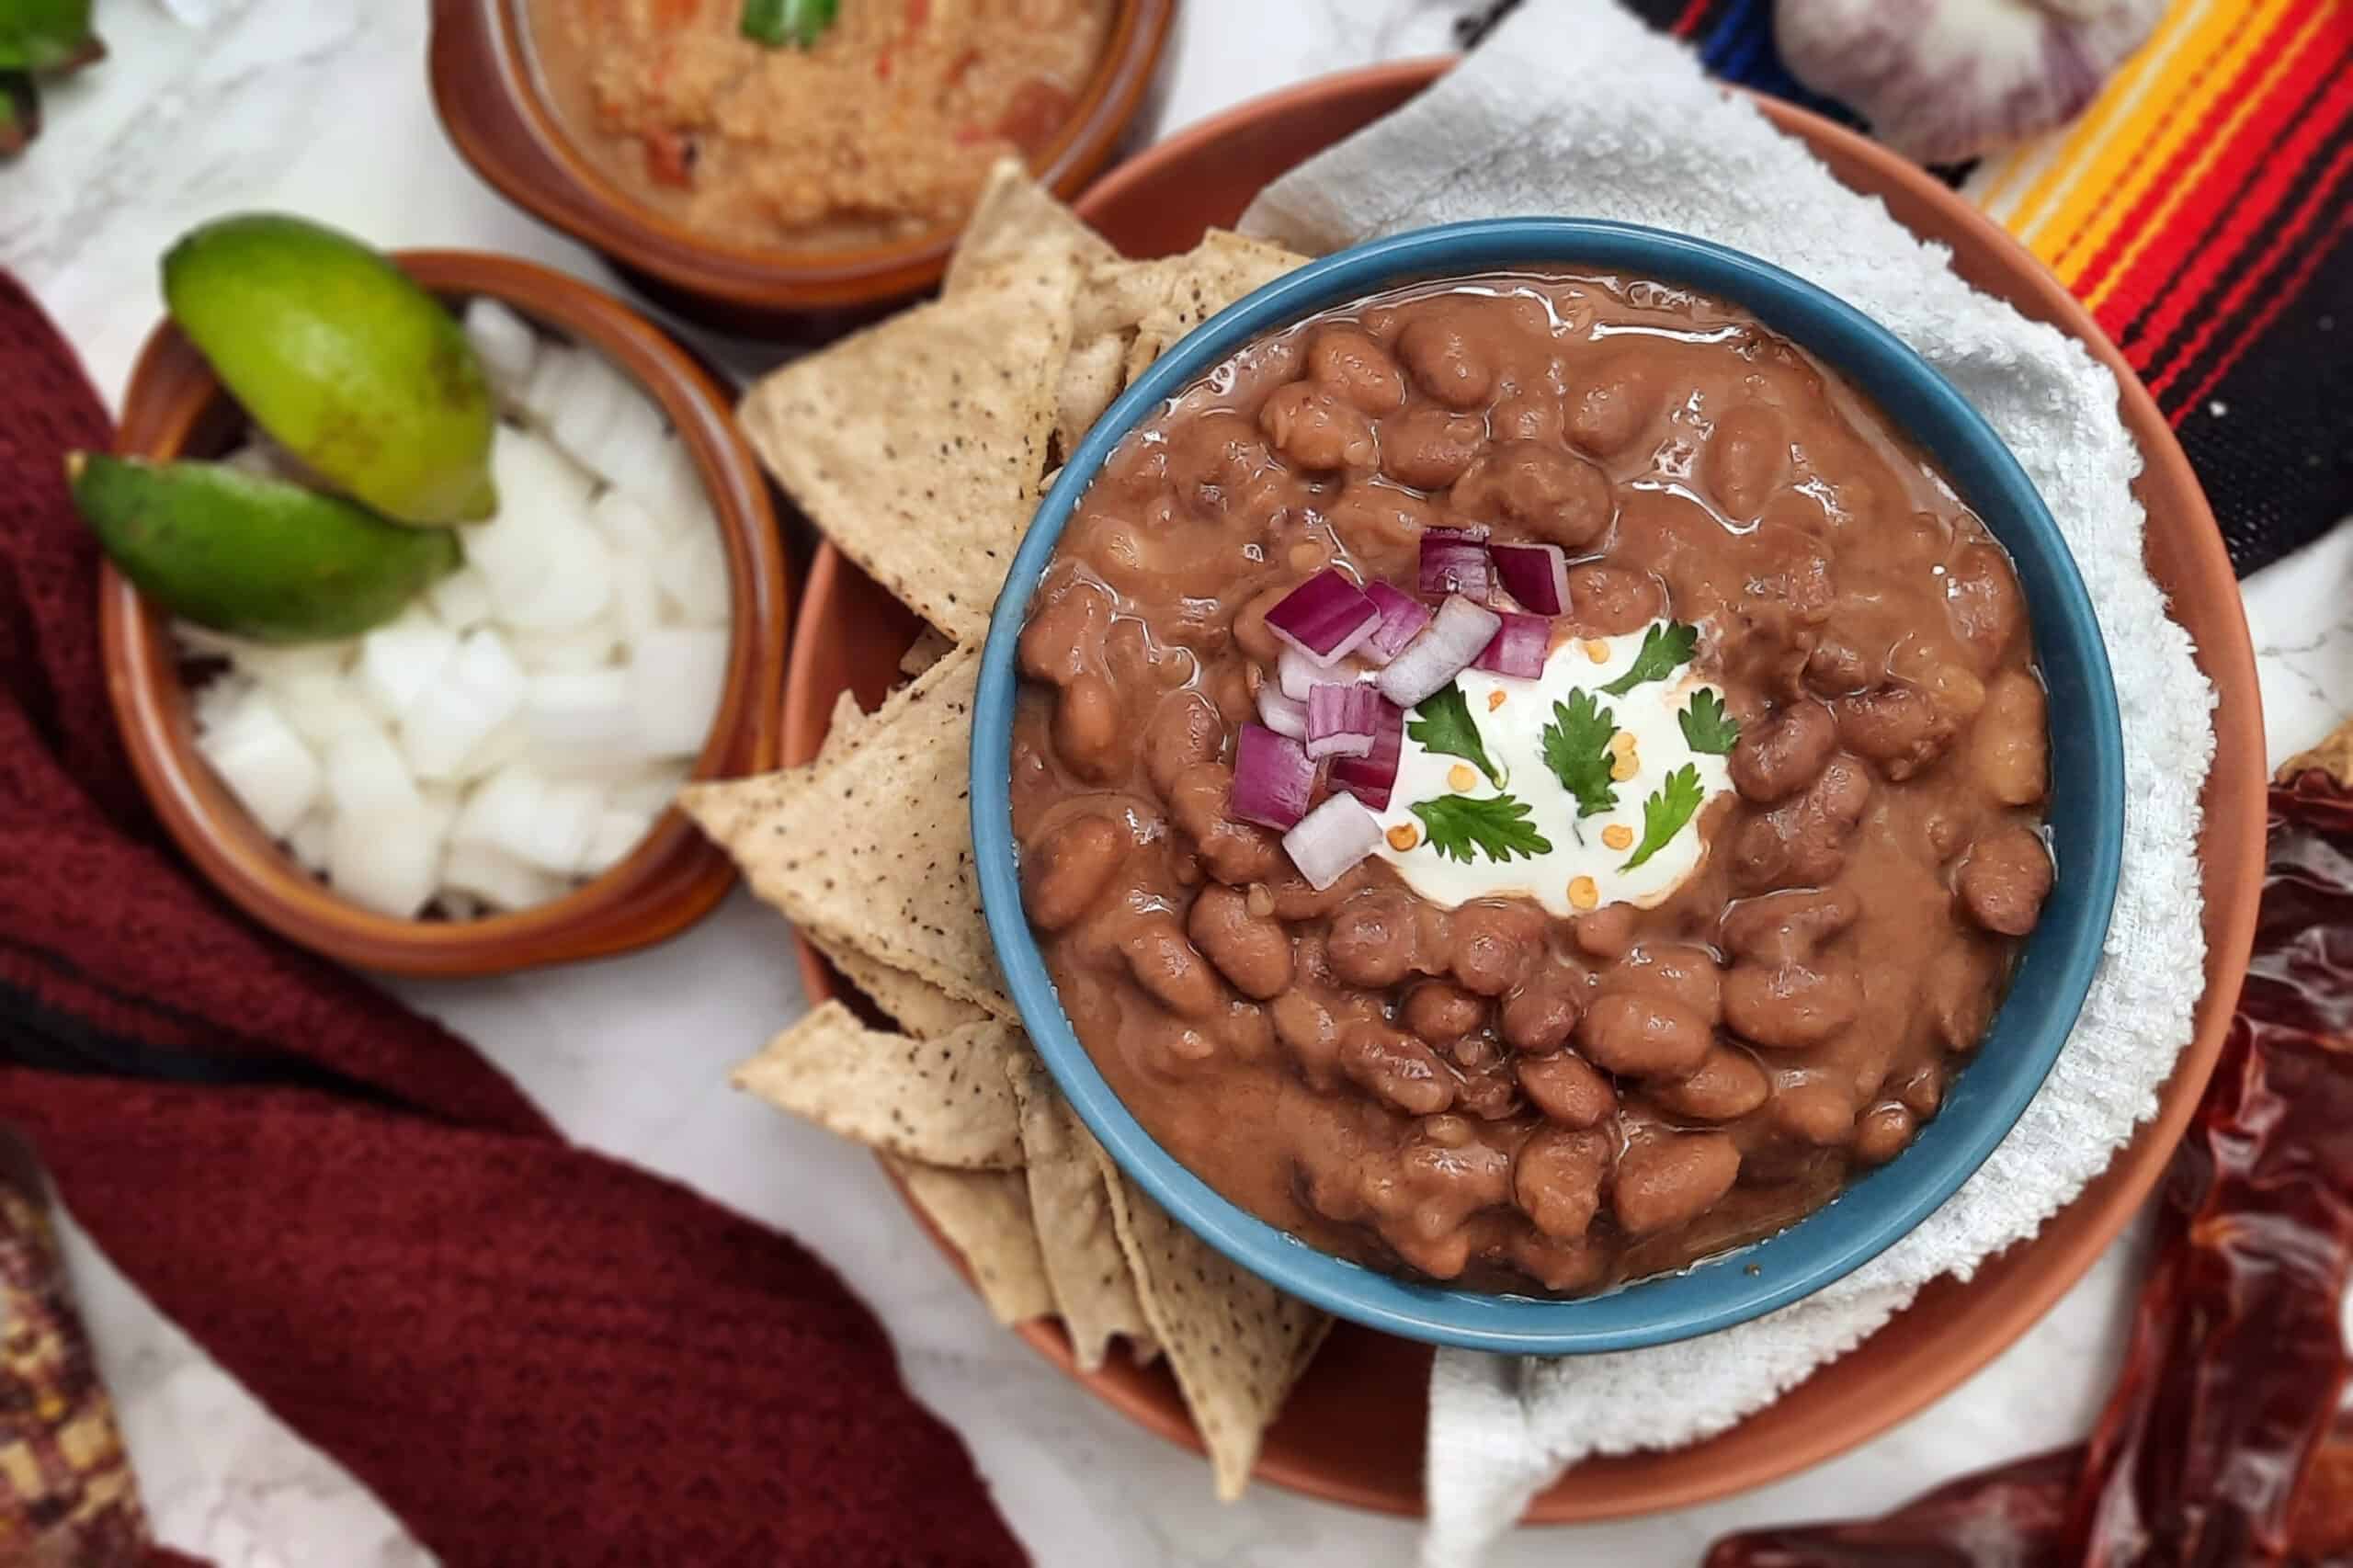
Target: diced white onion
pixel 461 601
pixel 387 859
pixel 367 775
pixel 582 710
pixel 480 689
pixel 400 659
pixel 676 679
pixel 693 574
pixel 499 880
pixel 617 833
pixel 505 342
pixel 263 762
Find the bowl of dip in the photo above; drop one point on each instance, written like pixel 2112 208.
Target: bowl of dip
pixel 754 180
pixel 1546 786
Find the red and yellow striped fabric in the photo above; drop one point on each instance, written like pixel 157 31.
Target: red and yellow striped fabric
pixel 2201 209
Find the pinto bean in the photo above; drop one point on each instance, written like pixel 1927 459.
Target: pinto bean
pixel 1251 633
pixel 1183 730
pixel 1610 601
pixel 1726 1085
pixel 1816 1114
pixel 1396 1067
pixel 1166 965
pixel 1680 971
pixel 1557 1265
pixel 1604 416
pixel 1606 933
pixel 1310 1033
pixel 1252 950
pixel 2009 751
pixel 1064 872
pixel 1316 429
pixel 1086 729
pixel 1429 447
pixel 1923 1091
pixel 1982 602
pixel 1837 667
pixel 1803 843
pixel 1780 925
pixel 1446 363
pixel 1669 1180
pixel 1898 727
pixel 1643 1036
pixel 1350 363
pixel 1959 995
pixel 1565 1087
pixel 1373 939
pixel 1539 1014
pixel 1237 853
pixel 1494 944
pixel 1886 1131
pixel 1440 1012
pixel 1789 1006
pixel 1776 758
pixel 1556 1180
pixel 1745 459
pixel 1536 491
pixel 2003 881
pixel 1065 637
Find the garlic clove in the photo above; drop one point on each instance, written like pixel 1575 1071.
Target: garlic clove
pixel 1945 80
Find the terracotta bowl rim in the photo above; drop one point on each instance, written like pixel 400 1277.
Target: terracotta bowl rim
pixel 514 137
pixel 674 876
pixel 2032 1277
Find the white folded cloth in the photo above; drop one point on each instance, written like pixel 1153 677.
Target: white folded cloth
pixel 1571 107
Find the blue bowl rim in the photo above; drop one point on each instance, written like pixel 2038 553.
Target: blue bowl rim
pixel 1865 352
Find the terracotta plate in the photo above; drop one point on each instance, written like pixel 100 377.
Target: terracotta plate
pixel 851 633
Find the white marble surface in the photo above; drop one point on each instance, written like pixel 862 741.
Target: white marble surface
pixel 320 106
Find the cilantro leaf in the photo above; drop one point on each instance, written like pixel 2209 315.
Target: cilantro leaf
pixel 1665 649
pixel 1577 748
pixel 1497 824
pixel 1706 726
pixel 1443 723
pixel 1663 815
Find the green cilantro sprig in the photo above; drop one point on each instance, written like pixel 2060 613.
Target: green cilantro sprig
pixel 1443 723
pixel 1706 726
pixel 1496 825
pixel 1665 812
pixel 1577 748
pixel 1664 650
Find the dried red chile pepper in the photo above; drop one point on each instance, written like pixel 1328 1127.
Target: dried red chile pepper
pixel 2224 1443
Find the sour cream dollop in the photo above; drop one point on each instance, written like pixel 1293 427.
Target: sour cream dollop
pixel 1584 861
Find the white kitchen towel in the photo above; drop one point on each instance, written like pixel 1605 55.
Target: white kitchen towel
pixel 1574 107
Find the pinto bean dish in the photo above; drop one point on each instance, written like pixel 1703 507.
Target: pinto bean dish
pixel 878 126
pixel 1528 781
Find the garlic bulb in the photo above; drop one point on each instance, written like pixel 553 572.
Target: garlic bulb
pixel 1945 80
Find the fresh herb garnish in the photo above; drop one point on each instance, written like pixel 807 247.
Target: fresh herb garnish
pixel 1706 726
pixel 778 22
pixel 1497 824
pixel 1443 723
pixel 1665 649
pixel 1577 748
pixel 1663 815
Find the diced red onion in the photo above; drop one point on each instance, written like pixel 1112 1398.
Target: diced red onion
pixel 1401 616
pixel 1372 777
pixel 1518 646
pixel 1273 778
pixel 1455 561
pixel 1298 674
pixel 1335 837
pixel 1445 647
pixel 1324 618
pixel 1535 574
pixel 1342 720
pixel 1280 713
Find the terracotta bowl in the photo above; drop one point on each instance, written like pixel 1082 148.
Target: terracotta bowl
pixel 487 93
pixel 1352 1431
pixel 174 407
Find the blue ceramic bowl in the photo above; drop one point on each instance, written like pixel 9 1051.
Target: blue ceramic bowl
pixel 2087 819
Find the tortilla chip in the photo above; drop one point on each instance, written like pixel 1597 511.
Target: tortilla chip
pixel 1092 377
pixel 921 1008
pixel 917 445
pixel 929 648
pixel 1094 1290
pixel 944 1101
pixel 842 729
pixel 874 851
pixel 985 1217
pixel 1184 291
pixel 1019 222
pixel 1235 1343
